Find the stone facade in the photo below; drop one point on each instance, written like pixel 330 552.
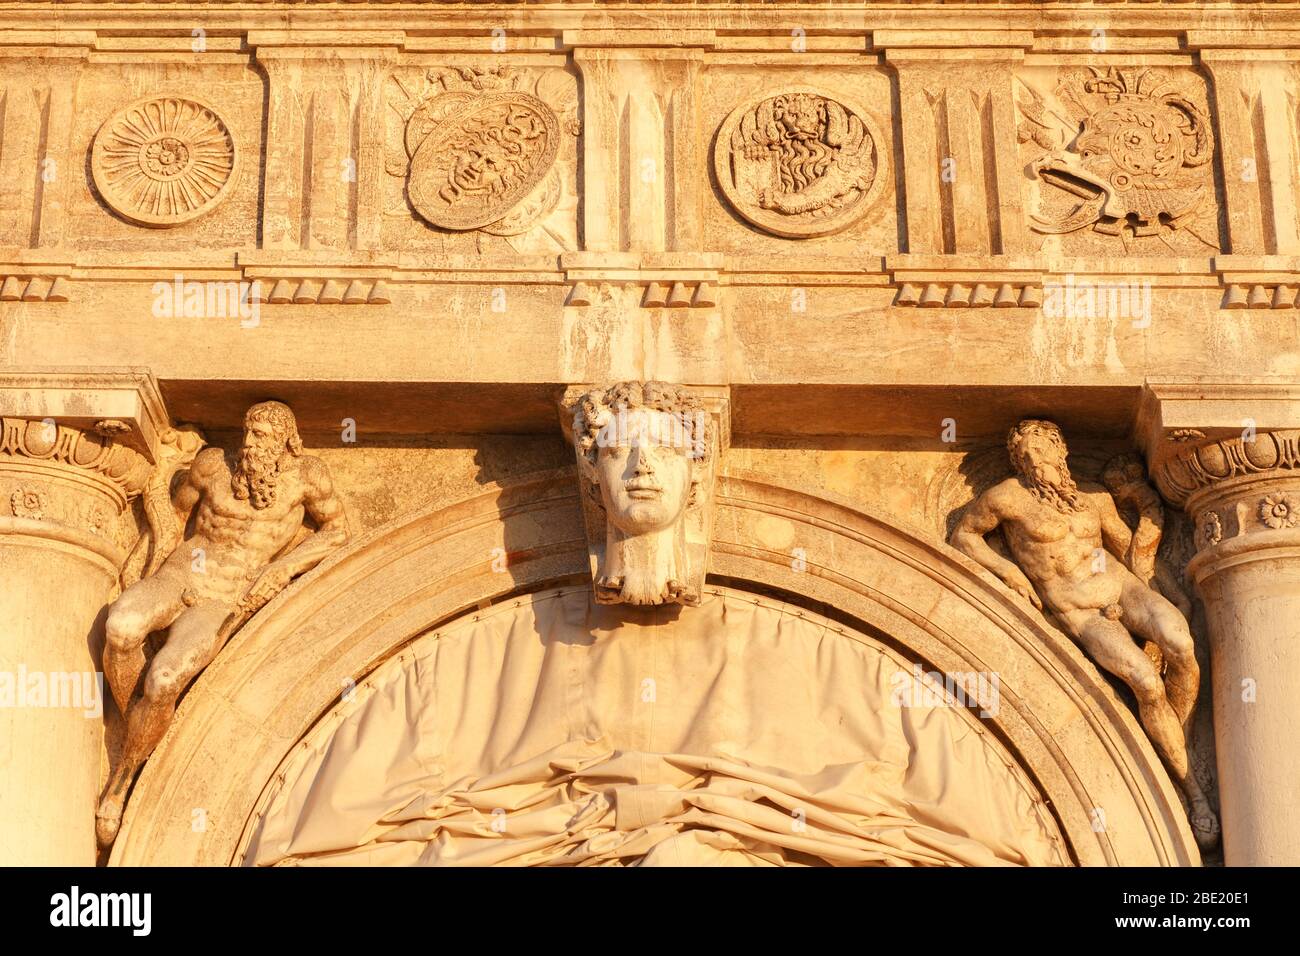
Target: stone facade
pixel 821 258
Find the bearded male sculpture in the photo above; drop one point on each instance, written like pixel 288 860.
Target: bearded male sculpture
pixel 645 451
pixel 1064 538
pixel 245 547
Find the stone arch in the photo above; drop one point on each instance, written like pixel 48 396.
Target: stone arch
pixel 1063 723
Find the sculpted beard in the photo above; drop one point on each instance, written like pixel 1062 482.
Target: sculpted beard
pixel 256 475
pixel 804 158
pixel 1062 495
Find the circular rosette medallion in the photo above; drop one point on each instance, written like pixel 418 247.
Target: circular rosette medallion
pixel 480 161
pixel 164 160
pixel 799 164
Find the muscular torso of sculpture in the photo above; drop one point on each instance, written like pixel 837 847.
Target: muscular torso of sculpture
pixel 239 555
pixel 237 539
pixel 1057 550
pixel 1065 540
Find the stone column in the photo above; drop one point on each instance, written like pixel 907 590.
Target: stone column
pixel 74 448
pixel 1236 471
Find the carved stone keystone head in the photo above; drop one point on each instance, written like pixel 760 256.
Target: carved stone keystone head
pixel 647 452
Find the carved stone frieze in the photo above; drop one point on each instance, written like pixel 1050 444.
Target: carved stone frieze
pixel 799 163
pixel 164 160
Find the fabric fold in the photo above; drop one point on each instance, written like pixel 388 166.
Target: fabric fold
pixel 562 733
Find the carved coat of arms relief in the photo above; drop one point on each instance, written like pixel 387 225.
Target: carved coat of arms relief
pixel 1124 154
pixel 483 150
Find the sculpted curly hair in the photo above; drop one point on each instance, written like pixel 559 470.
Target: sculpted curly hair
pixel 280 417
pixel 595 410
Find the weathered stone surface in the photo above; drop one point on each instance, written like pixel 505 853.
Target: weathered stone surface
pixel 869 237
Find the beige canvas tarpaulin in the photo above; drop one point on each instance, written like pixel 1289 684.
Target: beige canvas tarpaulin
pixel 552 731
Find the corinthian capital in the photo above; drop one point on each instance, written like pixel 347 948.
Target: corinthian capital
pixel 75 447
pixel 1228 453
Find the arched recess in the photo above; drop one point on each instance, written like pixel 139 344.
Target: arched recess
pixel 1069 731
